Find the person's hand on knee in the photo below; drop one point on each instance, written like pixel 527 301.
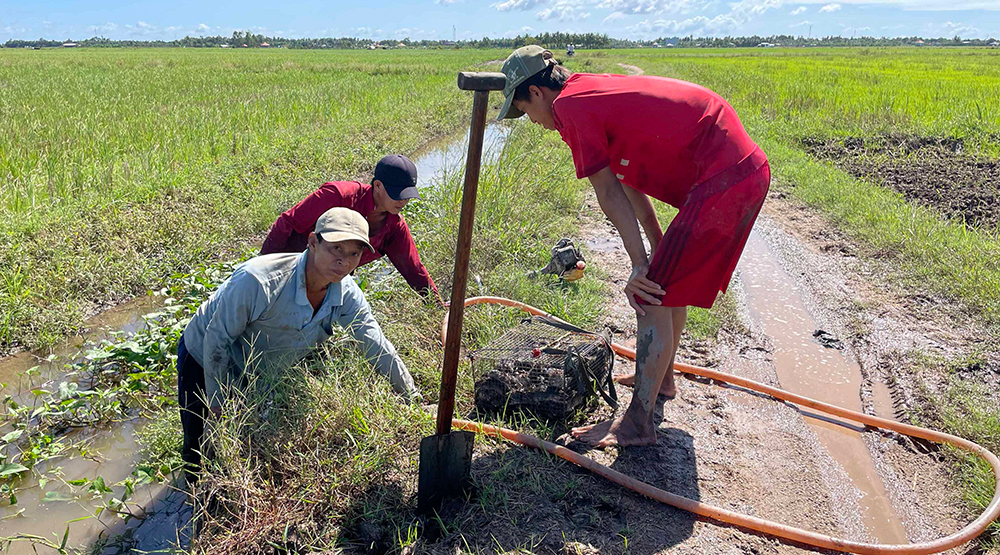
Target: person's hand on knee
pixel 639 286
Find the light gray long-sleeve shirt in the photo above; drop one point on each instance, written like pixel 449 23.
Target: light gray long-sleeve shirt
pixel 262 316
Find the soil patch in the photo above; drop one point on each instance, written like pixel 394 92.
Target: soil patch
pixel 933 171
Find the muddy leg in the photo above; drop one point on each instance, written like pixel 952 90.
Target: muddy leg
pixel 653 350
pixel 668 387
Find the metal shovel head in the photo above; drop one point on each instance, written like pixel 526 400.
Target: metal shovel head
pixel 445 467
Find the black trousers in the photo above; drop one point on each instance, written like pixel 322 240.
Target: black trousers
pixel 191 398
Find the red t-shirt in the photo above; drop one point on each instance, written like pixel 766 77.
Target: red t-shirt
pixel 660 136
pixel 291 231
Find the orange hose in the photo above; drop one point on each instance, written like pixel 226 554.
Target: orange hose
pixel 970 532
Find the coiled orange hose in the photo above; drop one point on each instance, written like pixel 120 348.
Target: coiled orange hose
pixel 971 531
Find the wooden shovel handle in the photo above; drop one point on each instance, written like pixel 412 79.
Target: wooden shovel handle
pixel 456 311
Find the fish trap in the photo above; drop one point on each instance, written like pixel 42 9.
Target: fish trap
pixel 544 367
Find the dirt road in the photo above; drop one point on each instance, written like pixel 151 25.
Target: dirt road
pixel 751 454
pixel 732 448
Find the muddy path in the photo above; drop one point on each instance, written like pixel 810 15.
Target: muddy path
pixel 745 452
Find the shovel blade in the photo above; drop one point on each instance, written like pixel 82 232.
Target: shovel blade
pixel 445 467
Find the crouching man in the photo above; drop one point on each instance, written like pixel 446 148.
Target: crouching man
pixel 392 187
pixel 273 310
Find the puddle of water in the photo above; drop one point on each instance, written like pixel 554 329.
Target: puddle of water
pixel 116 447
pixel 881 398
pixel 438 157
pixel 806 368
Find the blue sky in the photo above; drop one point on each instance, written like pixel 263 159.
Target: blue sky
pixel 436 19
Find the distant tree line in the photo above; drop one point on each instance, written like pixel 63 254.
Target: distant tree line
pixel 240 39
pixel 790 40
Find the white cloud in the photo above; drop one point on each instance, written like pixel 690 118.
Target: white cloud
pixel 527 29
pixel 141 28
pixel 173 28
pixel 960 29
pixel 414 33
pixel 613 16
pixel 830 8
pixel 106 28
pixel 801 24
pixel 799 10
pixel 739 14
pixel 651 6
pixel 508 5
pixel 367 33
pixel 202 28
pixel 919 5
pixel 563 10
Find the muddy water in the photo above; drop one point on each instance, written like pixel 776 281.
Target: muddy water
pixel 115 449
pixel 807 368
pixel 50 364
pixel 603 244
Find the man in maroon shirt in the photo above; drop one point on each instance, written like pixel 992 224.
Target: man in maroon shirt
pixel 394 184
pixel 636 137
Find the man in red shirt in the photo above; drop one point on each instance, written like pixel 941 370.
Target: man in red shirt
pixel 394 184
pixel 636 137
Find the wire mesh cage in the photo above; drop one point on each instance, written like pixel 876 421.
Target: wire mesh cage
pixel 543 367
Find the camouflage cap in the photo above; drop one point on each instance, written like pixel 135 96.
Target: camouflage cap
pixel 519 66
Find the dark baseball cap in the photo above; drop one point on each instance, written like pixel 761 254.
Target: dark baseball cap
pixel 398 175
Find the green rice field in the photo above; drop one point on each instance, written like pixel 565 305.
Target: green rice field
pixel 121 167
pixel 129 170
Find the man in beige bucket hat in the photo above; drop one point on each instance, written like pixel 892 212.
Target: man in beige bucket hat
pixel 271 312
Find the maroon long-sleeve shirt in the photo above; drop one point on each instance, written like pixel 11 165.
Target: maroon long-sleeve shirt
pixel 291 232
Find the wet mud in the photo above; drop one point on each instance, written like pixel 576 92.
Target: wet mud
pixel 935 172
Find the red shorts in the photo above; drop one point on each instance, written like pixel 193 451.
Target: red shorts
pixel 699 251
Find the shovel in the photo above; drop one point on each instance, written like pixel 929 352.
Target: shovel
pixel 446 458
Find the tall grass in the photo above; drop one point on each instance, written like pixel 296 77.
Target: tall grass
pixel 119 167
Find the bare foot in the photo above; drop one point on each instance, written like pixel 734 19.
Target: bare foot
pixel 620 431
pixel 628 380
